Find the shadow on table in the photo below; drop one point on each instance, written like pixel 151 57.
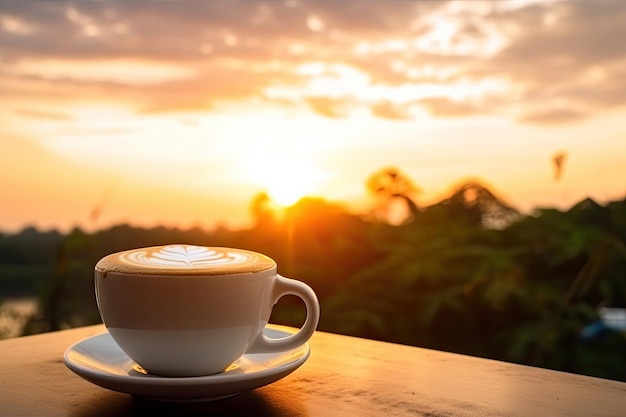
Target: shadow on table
pixel 252 403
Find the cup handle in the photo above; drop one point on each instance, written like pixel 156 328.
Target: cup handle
pixel 286 286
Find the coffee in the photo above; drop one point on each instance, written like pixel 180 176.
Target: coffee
pixel 184 310
pixel 186 259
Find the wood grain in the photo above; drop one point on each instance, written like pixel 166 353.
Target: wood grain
pixel 344 376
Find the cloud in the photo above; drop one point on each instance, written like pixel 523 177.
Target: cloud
pixel 43 114
pixel 390 110
pixel 330 107
pixel 570 53
pixel 552 116
pixel 440 106
pixel 567 56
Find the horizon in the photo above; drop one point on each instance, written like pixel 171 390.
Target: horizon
pixel 279 212
pixel 156 114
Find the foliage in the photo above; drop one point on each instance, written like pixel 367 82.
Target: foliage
pixel 468 274
pixel 520 294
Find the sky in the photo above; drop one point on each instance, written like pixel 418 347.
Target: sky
pixel 179 113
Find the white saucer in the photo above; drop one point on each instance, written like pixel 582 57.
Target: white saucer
pixel 99 360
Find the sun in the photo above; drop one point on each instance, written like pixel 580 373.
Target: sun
pixel 287 179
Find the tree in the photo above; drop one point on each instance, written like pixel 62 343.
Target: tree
pixel 391 184
pixel 477 201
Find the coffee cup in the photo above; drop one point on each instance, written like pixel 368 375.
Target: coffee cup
pixel 184 310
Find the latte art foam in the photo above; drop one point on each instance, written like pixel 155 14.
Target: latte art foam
pixel 185 260
pixel 183 255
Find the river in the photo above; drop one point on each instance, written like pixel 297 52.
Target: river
pixel 14 313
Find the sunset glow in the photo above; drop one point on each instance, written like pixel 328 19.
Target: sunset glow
pixel 186 111
pixel 285 178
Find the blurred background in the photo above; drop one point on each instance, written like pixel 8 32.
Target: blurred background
pixel 445 174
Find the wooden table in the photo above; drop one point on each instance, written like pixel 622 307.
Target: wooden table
pixel 344 376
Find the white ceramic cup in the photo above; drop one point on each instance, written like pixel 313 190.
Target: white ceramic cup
pixel 183 310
